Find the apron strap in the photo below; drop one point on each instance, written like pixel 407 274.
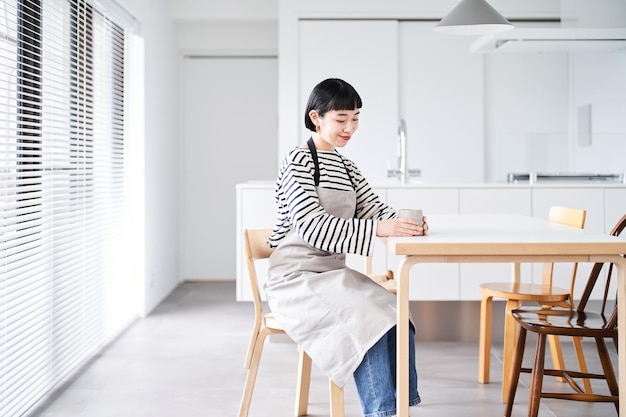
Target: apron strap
pixel 316 174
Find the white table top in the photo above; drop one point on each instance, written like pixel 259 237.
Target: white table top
pixel 503 235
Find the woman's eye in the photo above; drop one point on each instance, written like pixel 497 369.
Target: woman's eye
pixel 340 121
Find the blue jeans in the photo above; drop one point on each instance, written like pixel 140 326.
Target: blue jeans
pixel 375 377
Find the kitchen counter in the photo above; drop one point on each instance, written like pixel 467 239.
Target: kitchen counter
pixel 605 203
pixel 262 184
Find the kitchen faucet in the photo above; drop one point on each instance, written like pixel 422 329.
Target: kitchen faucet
pixel 402 172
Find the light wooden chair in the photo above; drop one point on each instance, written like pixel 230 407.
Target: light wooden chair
pixel 386 280
pixel 265 324
pixel 515 293
pixel 256 248
pixel 578 323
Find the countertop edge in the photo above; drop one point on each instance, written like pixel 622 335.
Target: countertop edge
pixel 261 184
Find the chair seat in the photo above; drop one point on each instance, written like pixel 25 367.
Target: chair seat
pixel 386 281
pixel 271 322
pixel 562 321
pixel 524 291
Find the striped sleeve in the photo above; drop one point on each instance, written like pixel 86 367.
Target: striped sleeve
pixel 299 207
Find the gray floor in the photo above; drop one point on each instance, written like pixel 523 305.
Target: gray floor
pixel 186 359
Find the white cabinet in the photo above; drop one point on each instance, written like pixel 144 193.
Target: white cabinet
pixel 480 200
pixel 614 209
pixel 614 206
pixel 589 198
pixel 428 281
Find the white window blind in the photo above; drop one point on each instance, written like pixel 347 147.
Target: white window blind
pixel 62 193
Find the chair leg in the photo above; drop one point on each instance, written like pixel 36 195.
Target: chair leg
pixel 304 382
pixel 582 363
pixel 484 348
pixel 516 367
pixel 253 338
pixel 537 376
pixel 557 354
pixel 255 360
pixel 607 367
pixel 336 400
pixel 509 345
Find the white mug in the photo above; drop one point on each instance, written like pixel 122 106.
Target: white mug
pixel 416 214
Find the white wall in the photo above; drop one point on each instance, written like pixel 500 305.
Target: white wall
pixel 585 13
pixel 160 149
pixel 227 36
pixel 207 10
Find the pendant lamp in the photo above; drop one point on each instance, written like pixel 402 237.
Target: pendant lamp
pixel 473 17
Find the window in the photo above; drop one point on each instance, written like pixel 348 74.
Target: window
pixel 62 193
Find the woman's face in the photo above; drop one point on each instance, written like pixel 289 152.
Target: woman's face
pixel 335 128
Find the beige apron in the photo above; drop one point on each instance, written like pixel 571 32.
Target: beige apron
pixel 336 314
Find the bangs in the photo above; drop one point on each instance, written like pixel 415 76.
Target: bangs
pixel 345 99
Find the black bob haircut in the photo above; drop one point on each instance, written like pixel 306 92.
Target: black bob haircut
pixel 331 94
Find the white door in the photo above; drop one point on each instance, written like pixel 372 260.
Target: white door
pixel 229 135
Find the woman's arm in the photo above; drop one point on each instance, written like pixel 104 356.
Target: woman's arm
pixel 297 195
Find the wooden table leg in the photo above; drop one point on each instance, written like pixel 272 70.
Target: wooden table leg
pixel 621 297
pixel 402 339
pixel 509 333
pixel 509 346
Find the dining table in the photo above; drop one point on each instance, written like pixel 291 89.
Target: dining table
pixel 500 238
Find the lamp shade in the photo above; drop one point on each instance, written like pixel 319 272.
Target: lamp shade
pixel 473 17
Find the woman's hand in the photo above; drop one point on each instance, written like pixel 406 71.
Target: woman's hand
pixel 401 227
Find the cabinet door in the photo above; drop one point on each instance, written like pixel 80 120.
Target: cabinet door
pixel 614 206
pixel 589 198
pixel 428 281
pixel 365 54
pixel 499 200
pixel 441 100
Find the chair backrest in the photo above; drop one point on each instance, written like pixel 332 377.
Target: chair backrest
pixel 566 216
pixel 593 278
pixel 255 247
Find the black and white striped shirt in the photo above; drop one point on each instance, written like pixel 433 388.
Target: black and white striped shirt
pixel 299 206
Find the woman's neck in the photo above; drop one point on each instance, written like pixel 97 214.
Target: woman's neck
pixel 321 144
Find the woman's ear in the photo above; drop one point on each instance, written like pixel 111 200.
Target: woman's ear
pixel 315 117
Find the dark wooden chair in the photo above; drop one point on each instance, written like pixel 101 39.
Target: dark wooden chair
pixel 518 294
pixel 582 322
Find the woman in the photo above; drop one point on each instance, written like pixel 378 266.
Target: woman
pixel 326 209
